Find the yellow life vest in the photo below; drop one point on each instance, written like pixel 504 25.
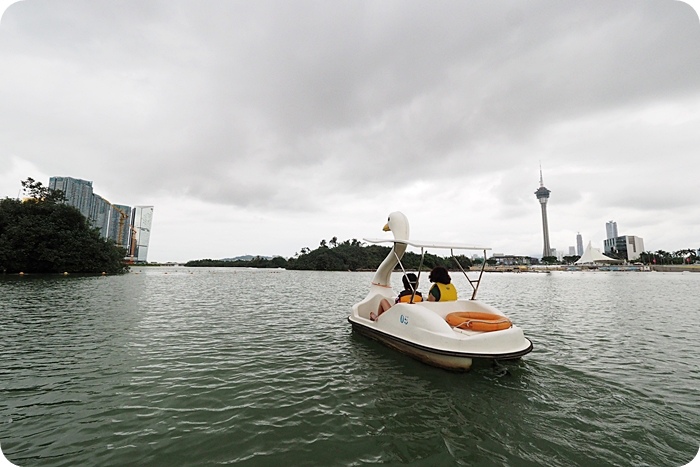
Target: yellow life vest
pixel 448 292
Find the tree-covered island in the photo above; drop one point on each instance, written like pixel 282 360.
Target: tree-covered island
pixel 350 255
pixel 42 234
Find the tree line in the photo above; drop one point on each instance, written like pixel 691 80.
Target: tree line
pixel 353 255
pixel 349 255
pixel 684 256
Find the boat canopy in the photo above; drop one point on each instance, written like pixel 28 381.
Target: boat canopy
pixel 424 244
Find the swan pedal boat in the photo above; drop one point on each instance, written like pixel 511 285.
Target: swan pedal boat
pixel 421 330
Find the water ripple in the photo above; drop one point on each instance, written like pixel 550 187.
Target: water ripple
pixel 194 367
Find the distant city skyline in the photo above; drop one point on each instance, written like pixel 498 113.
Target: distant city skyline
pixel 128 227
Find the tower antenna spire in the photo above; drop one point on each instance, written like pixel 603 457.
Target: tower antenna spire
pixel 541 182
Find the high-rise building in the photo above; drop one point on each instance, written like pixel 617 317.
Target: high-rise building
pixel 80 195
pixel 141 231
pixel 78 192
pixel 559 255
pixel 120 225
pixel 579 244
pixel 542 195
pixel 100 214
pixel 626 247
pixel 128 228
pixel 611 229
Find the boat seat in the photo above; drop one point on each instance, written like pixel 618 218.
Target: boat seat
pixel 370 304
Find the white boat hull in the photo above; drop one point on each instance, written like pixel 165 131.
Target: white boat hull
pixel 420 331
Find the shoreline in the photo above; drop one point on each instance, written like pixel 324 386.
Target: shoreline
pixel 538 269
pixel 615 268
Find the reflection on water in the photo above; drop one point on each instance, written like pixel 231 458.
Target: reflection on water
pixel 177 366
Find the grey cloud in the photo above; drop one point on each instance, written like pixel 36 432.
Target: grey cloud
pixel 278 105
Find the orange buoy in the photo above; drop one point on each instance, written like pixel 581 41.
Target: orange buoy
pixel 478 321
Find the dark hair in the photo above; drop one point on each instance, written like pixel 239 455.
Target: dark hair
pixel 410 281
pixel 440 274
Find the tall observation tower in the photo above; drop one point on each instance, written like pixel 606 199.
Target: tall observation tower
pixel 543 195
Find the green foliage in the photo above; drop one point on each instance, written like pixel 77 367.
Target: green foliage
pixel 571 259
pixel 41 235
pixel 350 255
pixel 256 262
pixel 685 256
pixel 38 192
pixel 550 260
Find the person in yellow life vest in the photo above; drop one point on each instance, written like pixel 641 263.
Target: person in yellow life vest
pixel 409 294
pixel 442 290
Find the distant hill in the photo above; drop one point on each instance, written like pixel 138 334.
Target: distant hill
pixel 245 258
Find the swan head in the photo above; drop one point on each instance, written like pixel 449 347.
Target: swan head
pixel 398 225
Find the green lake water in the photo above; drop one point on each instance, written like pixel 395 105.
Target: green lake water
pixel 186 366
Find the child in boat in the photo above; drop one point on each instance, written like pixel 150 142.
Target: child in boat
pixel 410 286
pixel 442 290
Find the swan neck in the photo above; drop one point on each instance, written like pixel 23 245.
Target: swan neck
pixel 383 275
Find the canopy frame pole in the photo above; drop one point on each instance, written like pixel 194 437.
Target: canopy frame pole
pixel 471 281
pixel 481 273
pixel 420 268
pixel 413 295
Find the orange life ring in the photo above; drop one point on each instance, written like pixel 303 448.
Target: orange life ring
pixel 478 321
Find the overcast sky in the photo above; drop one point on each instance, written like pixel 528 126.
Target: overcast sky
pixel 261 127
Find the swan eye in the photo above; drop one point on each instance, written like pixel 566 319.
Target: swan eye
pixel 388 218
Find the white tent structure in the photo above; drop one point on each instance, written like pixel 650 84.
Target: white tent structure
pixel 594 256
